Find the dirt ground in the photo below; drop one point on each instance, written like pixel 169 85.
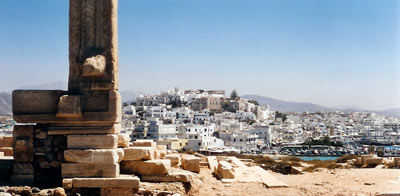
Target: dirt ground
pixel 336 182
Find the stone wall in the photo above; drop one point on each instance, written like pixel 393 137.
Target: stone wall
pixel 37 156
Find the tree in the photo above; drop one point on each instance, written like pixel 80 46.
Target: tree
pixel 254 102
pixel 234 94
pixel 280 115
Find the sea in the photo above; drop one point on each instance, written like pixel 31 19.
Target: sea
pixel 322 158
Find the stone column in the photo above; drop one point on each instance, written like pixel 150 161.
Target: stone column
pixel 93 45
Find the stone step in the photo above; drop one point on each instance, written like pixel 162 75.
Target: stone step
pixel 157 166
pixel 175 176
pixel 120 181
pixel 91 156
pixel 138 153
pixel 107 170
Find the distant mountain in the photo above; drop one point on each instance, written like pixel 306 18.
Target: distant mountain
pixel 390 112
pixel 128 96
pixel 286 106
pixel 60 85
pixel 5 103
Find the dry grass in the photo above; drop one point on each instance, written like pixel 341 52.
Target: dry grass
pixel 330 164
pixel 345 158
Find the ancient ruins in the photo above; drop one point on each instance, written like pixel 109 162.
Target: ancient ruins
pixel 71 138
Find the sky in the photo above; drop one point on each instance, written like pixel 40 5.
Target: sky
pixel 332 53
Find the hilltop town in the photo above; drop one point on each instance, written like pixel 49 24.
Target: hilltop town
pixel 202 120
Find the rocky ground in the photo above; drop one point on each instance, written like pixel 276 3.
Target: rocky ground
pixel 336 182
pixel 324 182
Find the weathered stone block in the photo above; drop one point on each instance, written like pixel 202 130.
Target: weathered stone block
pixel 138 153
pixel 225 170
pixel 91 156
pixel 41 106
pixel 6 151
pixel 67 183
pixel 92 141
pixel 396 161
pixel 162 149
pixel 23 143
pixel 374 161
pixel 22 180
pixel 178 176
pixel 191 163
pixel 107 170
pixel 94 66
pixel 175 159
pixel 123 140
pixel 6 141
pixel 120 181
pixel 365 157
pixel 69 106
pixel 159 166
pixel 121 154
pixel 24 168
pixel 145 143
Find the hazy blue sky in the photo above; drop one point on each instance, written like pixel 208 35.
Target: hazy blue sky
pixel 326 52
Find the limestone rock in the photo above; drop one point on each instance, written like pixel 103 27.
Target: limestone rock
pixel 157 166
pixel 121 154
pixel 225 170
pixel 162 149
pixel 191 163
pixel 94 66
pixel 374 161
pixel 67 183
pixel 175 159
pixel 123 140
pixel 138 153
pixel 176 176
pixel 145 143
pixel 91 156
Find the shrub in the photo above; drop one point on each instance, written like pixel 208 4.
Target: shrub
pixel 345 158
pixel 330 164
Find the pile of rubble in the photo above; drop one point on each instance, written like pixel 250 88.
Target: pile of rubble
pixel 6 146
pixel 231 169
pixel 372 160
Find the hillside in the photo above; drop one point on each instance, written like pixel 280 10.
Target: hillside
pixel 286 106
pixel 5 103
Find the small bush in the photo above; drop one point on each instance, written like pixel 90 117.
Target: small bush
pixel 330 164
pixel 291 158
pixel 345 158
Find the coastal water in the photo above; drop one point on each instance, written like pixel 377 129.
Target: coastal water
pixel 393 147
pixel 322 158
